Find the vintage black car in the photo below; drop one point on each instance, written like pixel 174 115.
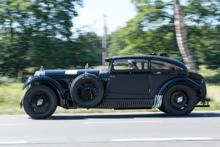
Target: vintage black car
pixel 130 82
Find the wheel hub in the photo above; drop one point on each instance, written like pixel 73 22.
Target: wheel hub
pixel 179 99
pixel 40 101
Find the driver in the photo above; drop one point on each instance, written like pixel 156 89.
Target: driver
pixel 132 64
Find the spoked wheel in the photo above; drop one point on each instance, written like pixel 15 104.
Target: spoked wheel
pixel 179 100
pixel 87 90
pixel 40 102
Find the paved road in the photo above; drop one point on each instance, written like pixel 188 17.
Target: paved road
pixel 156 129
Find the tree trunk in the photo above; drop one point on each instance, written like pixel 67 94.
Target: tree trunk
pixel 181 36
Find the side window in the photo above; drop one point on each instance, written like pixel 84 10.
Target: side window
pixel 130 64
pixel 163 65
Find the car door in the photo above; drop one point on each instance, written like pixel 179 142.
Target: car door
pixel 125 79
pixel 161 72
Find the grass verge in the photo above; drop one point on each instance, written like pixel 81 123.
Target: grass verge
pixel 11 95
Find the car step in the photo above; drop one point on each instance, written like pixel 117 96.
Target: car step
pixel 202 106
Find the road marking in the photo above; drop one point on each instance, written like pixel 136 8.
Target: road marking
pixel 11 124
pixel 13 142
pixel 110 122
pixel 164 139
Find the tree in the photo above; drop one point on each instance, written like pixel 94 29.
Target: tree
pixel 90 49
pixel 147 32
pixel 24 23
pixel 116 43
pixel 181 34
pixel 38 17
pixel 153 30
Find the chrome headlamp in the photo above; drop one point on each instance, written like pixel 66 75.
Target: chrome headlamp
pixel 40 73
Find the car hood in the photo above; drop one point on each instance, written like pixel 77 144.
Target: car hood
pixel 69 72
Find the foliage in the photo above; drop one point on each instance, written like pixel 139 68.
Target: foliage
pixel 204 41
pixel 38 17
pixel 152 30
pixel 35 33
pixel 116 43
pixel 202 12
pixel 90 47
pixel 5 80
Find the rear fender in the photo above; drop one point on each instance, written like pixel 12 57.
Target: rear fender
pixel 162 89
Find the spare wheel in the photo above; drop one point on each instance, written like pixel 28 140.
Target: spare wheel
pixel 87 90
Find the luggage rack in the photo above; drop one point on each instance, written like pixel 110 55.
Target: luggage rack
pixel 159 54
pixel 204 103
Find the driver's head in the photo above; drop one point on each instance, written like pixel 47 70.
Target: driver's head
pixel 132 64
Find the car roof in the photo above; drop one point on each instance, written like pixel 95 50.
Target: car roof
pixel 151 57
pixel 141 56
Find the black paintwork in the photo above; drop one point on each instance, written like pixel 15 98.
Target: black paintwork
pixel 62 72
pixel 44 80
pixel 127 86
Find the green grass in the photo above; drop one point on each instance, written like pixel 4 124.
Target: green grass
pixel 11 95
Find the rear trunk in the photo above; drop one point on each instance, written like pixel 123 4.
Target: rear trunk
pixel 199 80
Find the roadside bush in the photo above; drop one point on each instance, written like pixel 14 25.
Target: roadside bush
pixel 5 80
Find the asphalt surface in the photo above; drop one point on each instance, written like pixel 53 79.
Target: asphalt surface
pixel 200 128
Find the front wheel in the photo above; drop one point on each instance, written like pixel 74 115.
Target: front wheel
pixel 179 100
pixel 40 102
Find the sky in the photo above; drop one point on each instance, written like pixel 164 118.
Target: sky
pixel 92 14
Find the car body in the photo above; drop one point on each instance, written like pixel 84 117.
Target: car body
pixel 130 82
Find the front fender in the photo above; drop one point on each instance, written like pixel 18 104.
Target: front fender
pixel 48 80
pixel 162 89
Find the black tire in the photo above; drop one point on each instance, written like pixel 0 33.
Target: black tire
pixel 161 108
pixel 179 107
pixel 40 102
pixel 87 90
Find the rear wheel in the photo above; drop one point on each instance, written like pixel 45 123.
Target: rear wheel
pixel 161 108
pixel 40 102
pixel 179 100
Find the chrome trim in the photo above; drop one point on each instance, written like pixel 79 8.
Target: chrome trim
pixel 28 86
pixel 180 99
pixel 29 79
pixel 86 67
pixel 39 73
pixel 41 68
pixel 40 102
pixel 157 101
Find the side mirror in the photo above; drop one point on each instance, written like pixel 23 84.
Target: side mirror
pixel 115 63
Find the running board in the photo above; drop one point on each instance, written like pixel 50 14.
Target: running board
pixel 118 104
pixel 202 106
pixel 126 103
